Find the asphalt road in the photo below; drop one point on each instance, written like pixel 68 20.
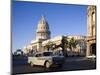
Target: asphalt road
pixel 71 64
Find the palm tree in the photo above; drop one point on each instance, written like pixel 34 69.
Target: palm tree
pixel 72 43
pixel 49 45
pixel 64 45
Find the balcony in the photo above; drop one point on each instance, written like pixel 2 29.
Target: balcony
pixel 89 38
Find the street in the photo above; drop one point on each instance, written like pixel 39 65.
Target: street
pixel 71 64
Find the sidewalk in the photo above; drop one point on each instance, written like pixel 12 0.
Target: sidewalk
pixel 70 59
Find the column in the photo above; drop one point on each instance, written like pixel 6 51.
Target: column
pixel 39 46
pixel 88 49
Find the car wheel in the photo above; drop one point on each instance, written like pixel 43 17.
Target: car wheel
pixel 31 64
pixel 47 64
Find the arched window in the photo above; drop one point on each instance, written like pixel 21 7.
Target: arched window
pixel 93 17
pixel 93 23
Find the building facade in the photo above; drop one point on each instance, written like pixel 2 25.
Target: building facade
pixel 42 34
pixel 91 31
pixel 43 37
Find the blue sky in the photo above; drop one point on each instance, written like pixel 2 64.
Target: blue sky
pixel 63 19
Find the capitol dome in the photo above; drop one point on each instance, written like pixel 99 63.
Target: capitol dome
pixel 43 31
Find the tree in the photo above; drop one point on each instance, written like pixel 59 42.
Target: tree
pixel 49 45
pixel 64 45
pixel 72 43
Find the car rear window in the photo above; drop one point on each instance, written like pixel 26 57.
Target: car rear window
pixel 47 54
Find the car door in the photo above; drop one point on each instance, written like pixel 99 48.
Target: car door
pixel 38 60
pixel 41 60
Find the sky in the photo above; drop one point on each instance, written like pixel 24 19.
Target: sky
pixel 63 19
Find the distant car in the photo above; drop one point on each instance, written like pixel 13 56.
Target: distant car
pixel 46 59
pixel 91 57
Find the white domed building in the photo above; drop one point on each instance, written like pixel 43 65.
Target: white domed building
pixel 42 34
pixel 43 37
pixel 43 31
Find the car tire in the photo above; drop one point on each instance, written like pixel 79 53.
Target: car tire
pixel 31 64
pixel 47 64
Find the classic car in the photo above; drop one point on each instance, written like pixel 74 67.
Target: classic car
pixel 46 59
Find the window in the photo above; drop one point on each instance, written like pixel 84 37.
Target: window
pixel 93 17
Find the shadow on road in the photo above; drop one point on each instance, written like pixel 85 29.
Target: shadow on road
pixel 69 65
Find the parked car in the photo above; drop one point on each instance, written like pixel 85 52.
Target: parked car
pixel 46 59
pixel 93 57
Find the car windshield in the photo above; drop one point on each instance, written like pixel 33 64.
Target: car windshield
pixel 47 54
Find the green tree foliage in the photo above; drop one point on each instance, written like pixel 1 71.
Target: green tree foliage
pixel 72 43
pixel 49 45
pixel 64 45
